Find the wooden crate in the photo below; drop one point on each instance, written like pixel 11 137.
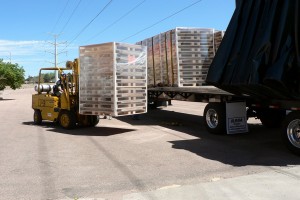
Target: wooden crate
pixel 171 51
pixel 113 79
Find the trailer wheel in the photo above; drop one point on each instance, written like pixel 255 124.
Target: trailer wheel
pixel 291 132
pixel 67 119
pixel 215 118
pixel 271 118
pixel 37 117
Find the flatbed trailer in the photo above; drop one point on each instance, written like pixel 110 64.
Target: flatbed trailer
pixel 195 94
pixel 273 113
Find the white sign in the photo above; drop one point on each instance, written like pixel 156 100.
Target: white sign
pixel 236 118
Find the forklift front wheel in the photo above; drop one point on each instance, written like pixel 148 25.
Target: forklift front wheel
pixel 67 119
pixel 93 120
pixel 215 118
pixel 37 117
pixel 291 132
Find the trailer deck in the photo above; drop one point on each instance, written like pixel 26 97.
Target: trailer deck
pixel 196 94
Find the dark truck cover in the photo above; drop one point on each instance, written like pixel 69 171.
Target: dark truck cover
pixel 259 54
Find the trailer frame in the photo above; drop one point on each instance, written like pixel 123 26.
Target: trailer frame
pixel 273 113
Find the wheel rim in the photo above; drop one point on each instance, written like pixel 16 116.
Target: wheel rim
pixel 64 120
pixel 293 132
pixel 212 118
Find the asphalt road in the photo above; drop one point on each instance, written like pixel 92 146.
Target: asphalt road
pixel 166 148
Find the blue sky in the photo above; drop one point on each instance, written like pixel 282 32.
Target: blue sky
pixel 28 27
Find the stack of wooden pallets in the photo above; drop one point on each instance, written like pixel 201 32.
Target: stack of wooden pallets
pixel 113 79
pixel 218 35
pixel 181 57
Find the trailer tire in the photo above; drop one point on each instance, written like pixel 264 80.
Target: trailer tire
pixel 271 118
pixel 291 132
pixel 152 105
pixel 214 118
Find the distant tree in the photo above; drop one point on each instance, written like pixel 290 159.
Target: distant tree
pixel 47 78
pixel 11 75
pixel 2 82
pixel 30 79
pixel 52 76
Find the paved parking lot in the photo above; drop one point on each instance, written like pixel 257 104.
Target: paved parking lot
pixel 166 152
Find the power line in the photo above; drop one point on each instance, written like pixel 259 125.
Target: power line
pixel 164 19
pixel 59 18
pixel 62 12
pixel 119 19
pixel 70 16
pixel 84 28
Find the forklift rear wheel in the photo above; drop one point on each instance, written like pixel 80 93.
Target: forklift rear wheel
pixel 67 119
pixel 291 132
pixel 37 117
pixel 215 118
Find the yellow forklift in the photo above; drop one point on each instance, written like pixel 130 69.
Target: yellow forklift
pixel 64 108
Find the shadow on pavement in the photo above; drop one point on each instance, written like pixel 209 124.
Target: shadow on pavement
pixel 164 118
pixel 261 146
pixel 81 131
pixel 6 99
pixel 235 152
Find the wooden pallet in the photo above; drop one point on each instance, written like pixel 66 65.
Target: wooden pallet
pixel 183 62
pixel 185 74
pixel 195 55
pixel 192 84
pixel 194 44
pixel 109 84
pixel 174 54
pixel 192 30
pixel 193 67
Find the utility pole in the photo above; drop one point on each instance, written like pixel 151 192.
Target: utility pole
pixel 55 52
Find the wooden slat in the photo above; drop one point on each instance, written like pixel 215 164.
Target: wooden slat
pixel 107 84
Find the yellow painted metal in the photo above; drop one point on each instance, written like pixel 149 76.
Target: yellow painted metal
pixel 52 106
pixel 47 104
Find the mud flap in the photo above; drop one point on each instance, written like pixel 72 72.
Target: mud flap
pixel 236 118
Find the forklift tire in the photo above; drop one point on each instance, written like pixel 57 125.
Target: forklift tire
pixel 67 119
pixel 93 120
pixel 214 118
pixel 37 117
pixel 291 132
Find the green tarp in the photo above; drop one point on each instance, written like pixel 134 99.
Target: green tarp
pixel 259 54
